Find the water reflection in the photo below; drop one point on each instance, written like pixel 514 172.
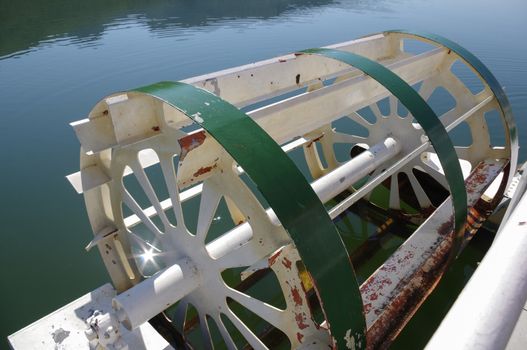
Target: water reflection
pixel 84 23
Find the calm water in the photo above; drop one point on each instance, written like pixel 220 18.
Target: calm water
pixel 57 58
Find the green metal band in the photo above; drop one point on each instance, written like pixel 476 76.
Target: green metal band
pixel 488 78
pixel 428 120
pixel 291 197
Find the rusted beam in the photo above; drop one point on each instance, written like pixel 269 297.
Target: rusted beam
pixel 396 290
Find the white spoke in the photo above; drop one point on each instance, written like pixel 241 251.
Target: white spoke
pixel 143 180
pixel 356 117
pixel 339 137
pixel 376 111
pixel 136 209
pixel 395 202
pixel 267 312
pixel 426 89
pixel 210 199
pixel 225 333
pixel 145 246
pixel 180 315
pixel 251 338
pixel 463 152
pixel 420 193
pixel 434 173
pixel 205 331
pixel 167 166
pixel 393 105
pixel 329 152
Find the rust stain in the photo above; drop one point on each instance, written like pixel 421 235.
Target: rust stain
pixel 272 259
pixel 190 142
pixel 287 263
pixel 367 308
pixel 296 296
pixel 393 311
pixel 299 337
pixel 311 142
pixel 446 228
pixel 300 321
pixel 204 170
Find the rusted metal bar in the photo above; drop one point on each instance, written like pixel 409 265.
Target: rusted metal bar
pixel 396 290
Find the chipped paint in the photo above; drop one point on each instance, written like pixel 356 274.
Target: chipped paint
pixel 299 337
pixel 350 341
pixel 190 142
pixel 296 296
pixel 272 259
pixel 204 170
pixel 287 263
pixel 300 321
pixel 397 289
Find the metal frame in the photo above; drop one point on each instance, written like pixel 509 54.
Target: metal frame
pixel 129 132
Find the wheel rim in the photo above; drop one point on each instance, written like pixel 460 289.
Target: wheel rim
pixel 219 178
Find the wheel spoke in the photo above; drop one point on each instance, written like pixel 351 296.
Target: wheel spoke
pixel 267 312
pixel 420 193
pixel 251 338
pixel 169 173
pixel 328 151
pixel 143 244
pixel 393 105
pixel 356 117
pixel 136 209
pixel 376 111
pixel 434 173
pixel 395 202
pixel 180 315
pixel 339 137
pixel 210 199
pixel 143 180
pixel 205 331
pixel 463 152
pixel 427 88
pixel 225 333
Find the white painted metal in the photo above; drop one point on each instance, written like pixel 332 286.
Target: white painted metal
pixel 138 233
pixel 487 310
pixel 65 328
pixel 155 294
pixel 417 252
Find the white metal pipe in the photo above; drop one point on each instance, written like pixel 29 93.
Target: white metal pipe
pixel 486 311
pixel 326 188
pixel 146 299
pixel 153 295
pixel 340 179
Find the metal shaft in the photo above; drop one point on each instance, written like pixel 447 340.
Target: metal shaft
pixel 148 298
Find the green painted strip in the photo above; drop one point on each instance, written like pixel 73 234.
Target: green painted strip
pixel 291 197
pixel 490 80
pixel 428 120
